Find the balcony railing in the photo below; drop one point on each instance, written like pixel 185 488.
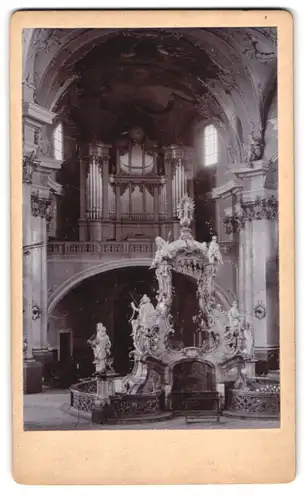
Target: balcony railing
pixel 69 248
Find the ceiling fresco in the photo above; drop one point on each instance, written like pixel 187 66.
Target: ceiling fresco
pixel 103 81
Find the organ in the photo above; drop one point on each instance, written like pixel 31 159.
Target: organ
pixel 130 190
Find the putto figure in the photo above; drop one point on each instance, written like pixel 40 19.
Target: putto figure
pixel 214 254
pixel 234 316
pixel 248 342
pixel 101 346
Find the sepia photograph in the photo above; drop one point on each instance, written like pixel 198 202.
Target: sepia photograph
pixel 150 228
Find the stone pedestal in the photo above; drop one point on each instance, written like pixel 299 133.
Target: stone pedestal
pixel 105 390
pixel 250 366
pixel 32 373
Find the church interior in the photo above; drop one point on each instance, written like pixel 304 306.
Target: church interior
pixel 119 127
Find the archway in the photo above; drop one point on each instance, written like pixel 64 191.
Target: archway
pixel 76 279
pixel 106 298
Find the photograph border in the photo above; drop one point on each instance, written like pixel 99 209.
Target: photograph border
pixel 158 456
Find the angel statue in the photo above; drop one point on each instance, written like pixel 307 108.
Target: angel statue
pixel 214 253
pixel 162 250
pixel 101 346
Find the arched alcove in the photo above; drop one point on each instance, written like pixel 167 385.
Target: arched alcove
pixel 105 297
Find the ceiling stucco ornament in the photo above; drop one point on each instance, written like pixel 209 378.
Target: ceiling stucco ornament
pixel 269 33
pixel 254 48
pixel 44 39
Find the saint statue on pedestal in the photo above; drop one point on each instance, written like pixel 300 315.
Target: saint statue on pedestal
pixel 101 346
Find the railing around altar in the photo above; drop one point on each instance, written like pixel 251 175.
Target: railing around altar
pixel 67 248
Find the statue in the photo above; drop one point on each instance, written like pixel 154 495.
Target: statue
pixel 256 146
pixel 248 342
pixel 163 274
pixel 234 316
pixel 214 254
pixel 162 304
pixel 101 346
pixel 186 210
pixel 142 324
pixel 241 382
pixel 161 250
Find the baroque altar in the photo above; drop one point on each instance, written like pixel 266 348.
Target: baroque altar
pixel 168 379
pixel 227 346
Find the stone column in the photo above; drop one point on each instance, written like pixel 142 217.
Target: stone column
pixel 28 166
pixel 241 271
pixel 259 236
pixel 38 184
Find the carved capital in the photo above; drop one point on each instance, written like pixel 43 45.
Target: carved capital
pixel 260 208
pixel 40 207
pixel 29 165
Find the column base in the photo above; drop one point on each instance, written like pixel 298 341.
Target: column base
pixel 100 412
pixel 32 372
pixel 43 355
pixel 267 359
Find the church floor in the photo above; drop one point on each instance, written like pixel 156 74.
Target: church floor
pixel 48 411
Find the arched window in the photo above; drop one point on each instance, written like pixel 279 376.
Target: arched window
pixel 58 142
pixel 210 145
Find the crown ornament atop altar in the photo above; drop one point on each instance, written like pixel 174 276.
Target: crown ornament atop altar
pixel 185 211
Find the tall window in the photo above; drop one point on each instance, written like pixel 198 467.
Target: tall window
pixel 210 145
pixel 58 142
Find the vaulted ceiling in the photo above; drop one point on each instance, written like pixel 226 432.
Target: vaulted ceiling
pixel 166 80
